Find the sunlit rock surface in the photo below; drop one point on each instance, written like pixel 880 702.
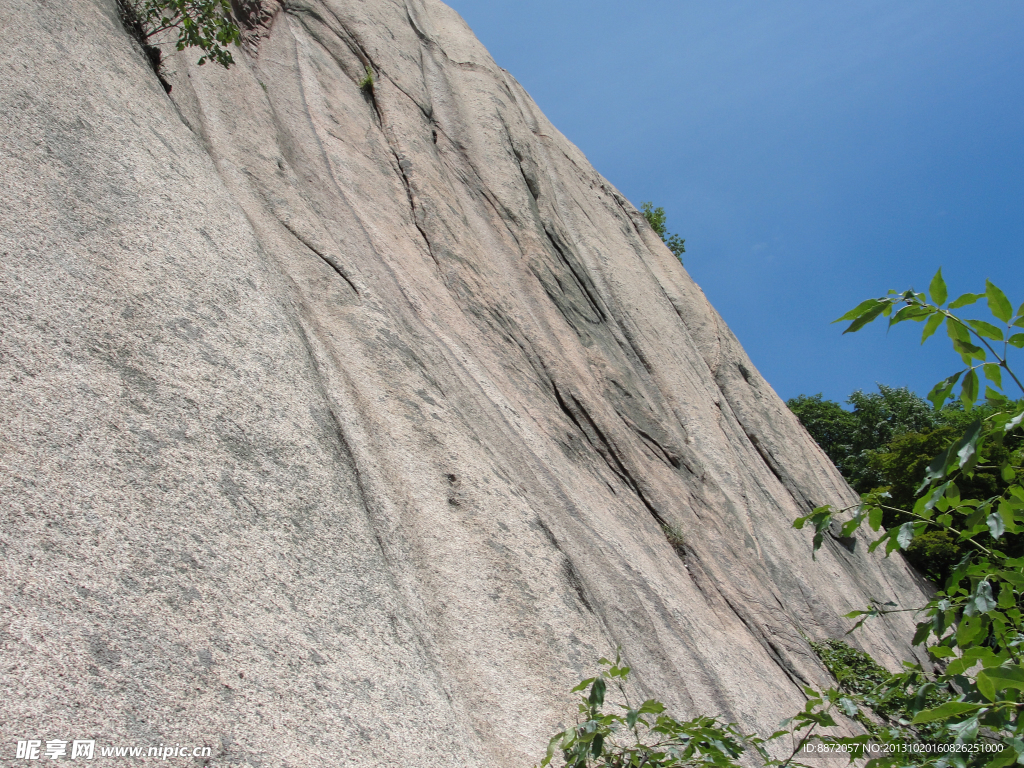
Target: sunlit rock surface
pixel 340 426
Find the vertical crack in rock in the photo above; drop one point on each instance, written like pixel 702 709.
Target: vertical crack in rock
pixel 572 576
pixel 579 416
pixel 579 275
pixel 765 456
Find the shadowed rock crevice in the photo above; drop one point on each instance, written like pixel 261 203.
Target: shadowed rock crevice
pixel 579 416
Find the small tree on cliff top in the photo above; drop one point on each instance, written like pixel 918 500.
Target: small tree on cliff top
pixel 656 218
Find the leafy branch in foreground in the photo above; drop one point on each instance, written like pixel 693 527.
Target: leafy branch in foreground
pixel 972 628
pixel 962 333
pixel 642 735
pixel 963 713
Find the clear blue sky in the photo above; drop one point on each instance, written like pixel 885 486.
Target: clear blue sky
pixel 813 154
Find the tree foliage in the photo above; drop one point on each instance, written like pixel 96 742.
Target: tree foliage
pixel 203 24
pixel 656 218
pixel 884 445
pixel 972 627
pixel 854 438
pixel 831 425
pixel 641 734
pixel 963 712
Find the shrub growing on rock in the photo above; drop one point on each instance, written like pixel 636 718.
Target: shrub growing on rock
pixel 203 24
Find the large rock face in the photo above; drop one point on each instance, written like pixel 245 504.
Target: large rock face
pixel 340 427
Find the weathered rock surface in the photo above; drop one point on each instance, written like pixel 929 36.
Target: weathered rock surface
pixel 339 427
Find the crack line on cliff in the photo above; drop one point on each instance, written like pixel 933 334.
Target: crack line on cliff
pixel 703 582
pixel 329 260
pixel 609 455
pixel 765 457
pixel 400 163
pixel 583 283
pixel 768 644
pixel 572 575
pixel 399 159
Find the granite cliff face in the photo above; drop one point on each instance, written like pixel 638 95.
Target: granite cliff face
pixel 340 427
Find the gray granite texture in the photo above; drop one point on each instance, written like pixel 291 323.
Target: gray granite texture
pixel 340 426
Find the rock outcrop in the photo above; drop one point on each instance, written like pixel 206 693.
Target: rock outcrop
pixel 342 426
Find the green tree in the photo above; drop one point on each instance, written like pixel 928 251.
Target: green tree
pixel 884 445
pixel 881 417
pixel 656 218
pixel 851 437
pixel 890 412
pixel 828 423
pixel 902 465
pixel 204 24
pixel 972 627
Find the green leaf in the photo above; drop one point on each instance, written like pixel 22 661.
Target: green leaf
pixel 551 748
pixel 985 329
pixel 941 391
pixel 597 692
pixel 1007 597
pixel 1013 423
pixel 905 535
pixel 982 599
pixel 1013 577
pixel 1017 340
pixel 998 304
pixel 1011 676
pixel 867 317
pixel 912 312
pixel 994 374
pixel 969 390
pixel 996 399
pixel 859 310
pixel 853 524
pixel 936 470
pixel 583 684
pixel 923 630
pixel 875 518
pixel 946 711
pixel 651 707
pixel 931 326
pixel 967 447
pixel 848 707
pixel 957 331
pixel 967 298
pixel 937 288
pixel 996 526
pixel 970 626
pixel 971 350
pixel 967 731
